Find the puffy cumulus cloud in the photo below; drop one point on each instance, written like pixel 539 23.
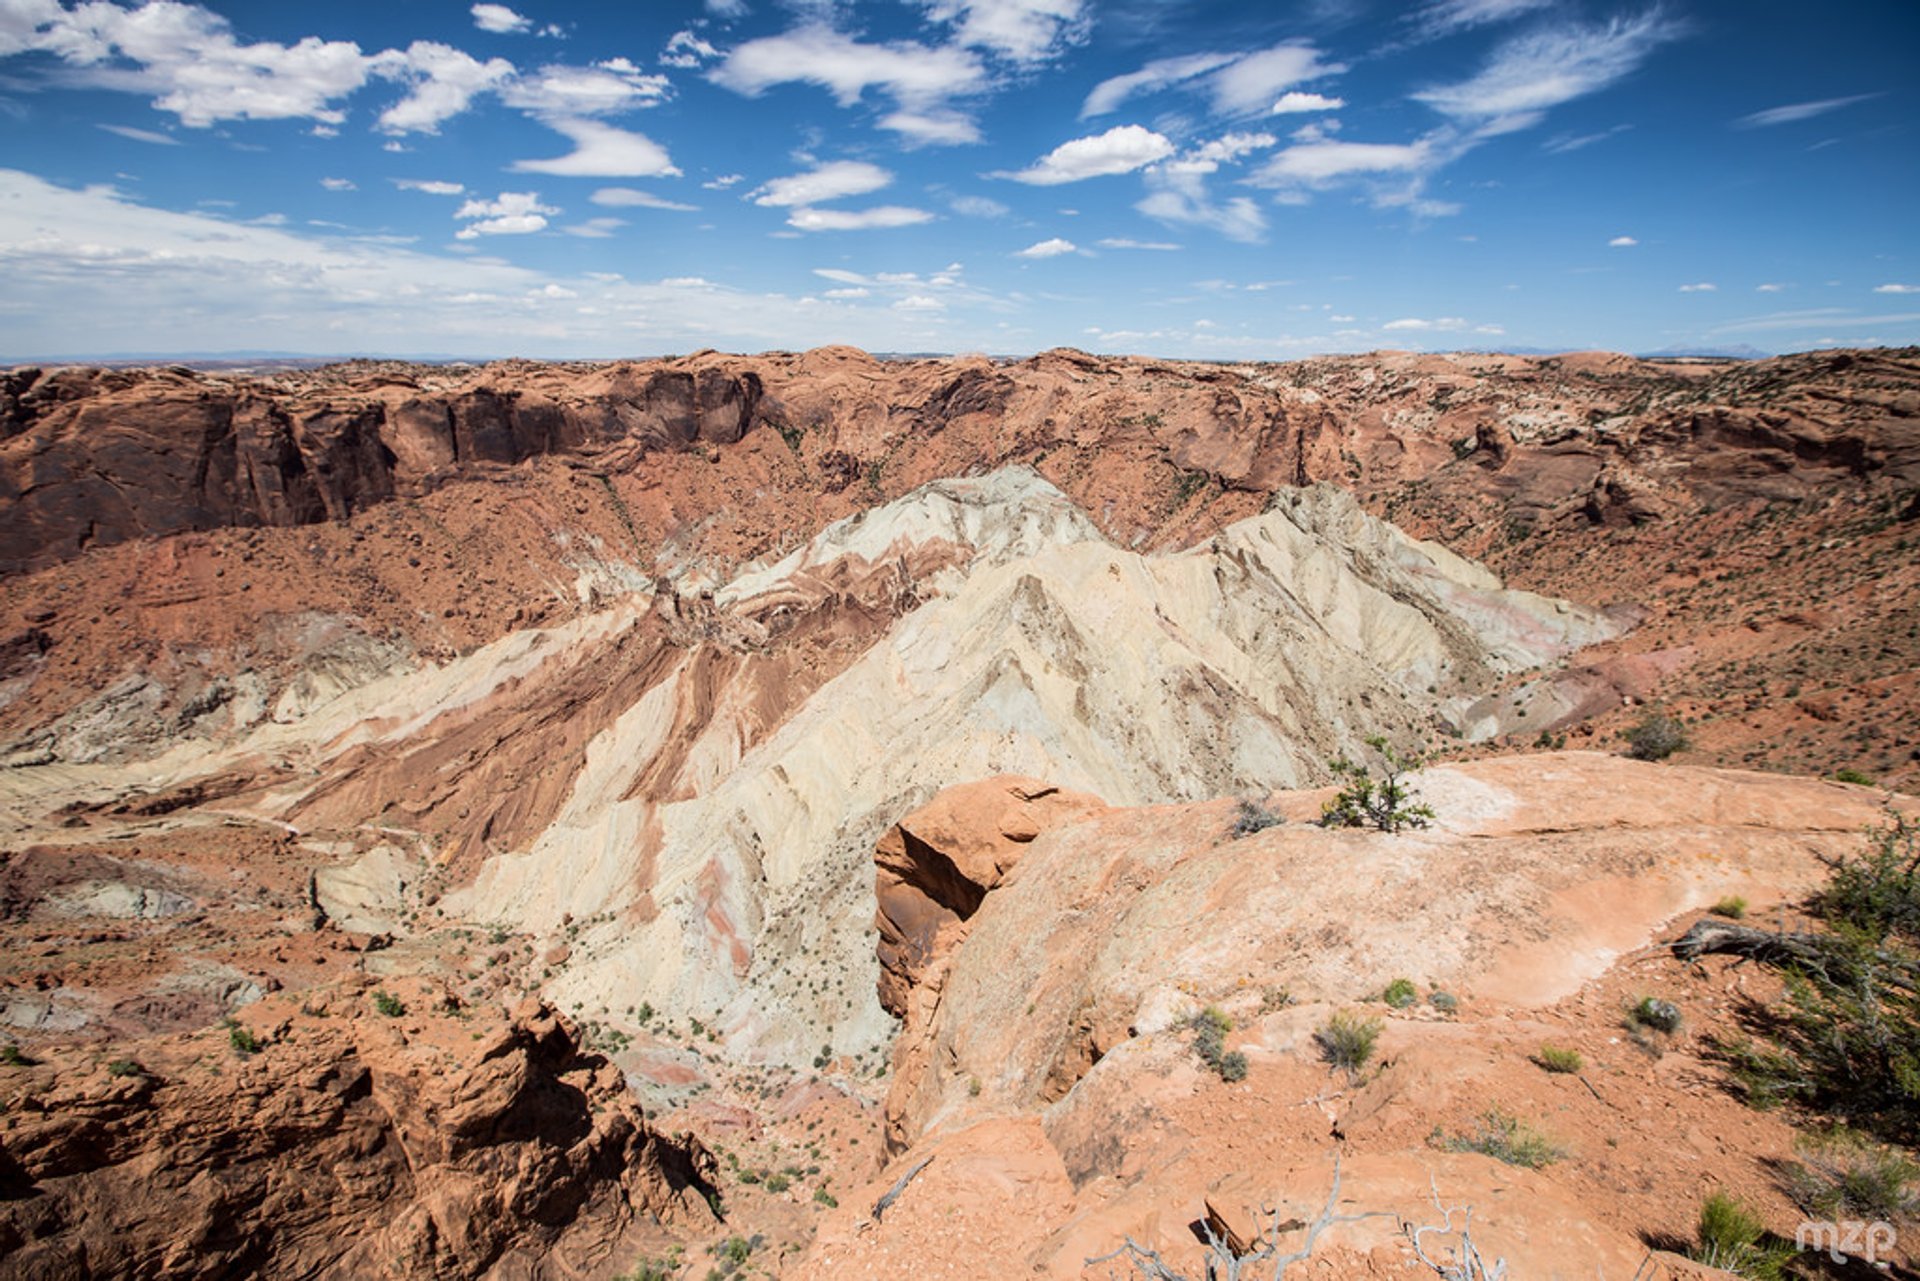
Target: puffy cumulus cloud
pixel 444 83
pixel 1022 31
pixel 1699 287
pixel 1622 242
pixel 511 213
pixel 1179 192
pixel 923 80
pixel 1119 150
pixel 1048 249
pixel 604 88
pixel 1797 111
pixel 629 198
pixel 1888 289
pixel 1295 102
pixel 978 207
pixel 1248 82
pixel 856 219
pixel 835 180
pixel 724 181
pixel 189 57
pixel 339 184
pixel 685 49
pixel 601 150
pixel 499 19
pixel 1538 70
pixel 847 67
pixel 920 302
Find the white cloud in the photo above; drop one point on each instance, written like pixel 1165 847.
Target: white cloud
pixel 90 272
pixel 853 291
pixel 601 150
pixel 919 302
pixel 1702 287
pixel 724 181
pixel 511 213
pixel 1179 192
pixel 1319 162
pixel 605 88
pixel 1022 31
pixel 1622 242
pixel 629 198
pixel 978 207
pixel 1122 242
pixel 1446 16
pixel 1798 111
pixel 1109 94
pixel 856 219
pixel 1566 142
pixel 499 19
pixel 832 181
pixel 339 184
pixel 1544 68
pixel 445 81
pixel 595 228
pixel 1119 150
pixel 430 186
pixel 913 73
pixel 142 135
pixel 686 49
pixel 1768 288
pixel 932 128
pixel 1294 102
pixel 1896 289
pixel 1249 84
pixel 1048 249
pixel 727 8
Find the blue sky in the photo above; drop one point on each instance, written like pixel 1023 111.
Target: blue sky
pixel 1231 181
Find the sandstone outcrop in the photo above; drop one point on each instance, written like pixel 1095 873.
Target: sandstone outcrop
pixel 449 1143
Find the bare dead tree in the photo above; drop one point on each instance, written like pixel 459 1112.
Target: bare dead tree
pixel 1464 1261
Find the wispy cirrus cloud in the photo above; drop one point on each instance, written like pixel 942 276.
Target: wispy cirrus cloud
pixel 1531 73
pixel 1236 84
pixel 1796 111
pixel 1053 248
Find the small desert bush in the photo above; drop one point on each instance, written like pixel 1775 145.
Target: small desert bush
pixel 1387 802
pixel 1732 1237
pixel 1844 1175
pixel 1210 1027
pixel 823 1197
pixel 125 1067
pixel 1655 738
pixel 1555 1059
pixel 1733 907
pixel 388 1004
pixel 1853 776
pixel 1655 1014
pixel 778 1182
pixel 242 1040
pixel 1509 1139
pixel 13 1056
pixel 1445 1002
pixel 1347 1041
pixel 1254 817
pixel 1878 893
pixel 1400 994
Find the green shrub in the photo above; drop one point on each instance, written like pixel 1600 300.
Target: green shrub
pixel 1253 817
pixel 1509 1139
pixel 1555 1059
pixel 1878 893
pixel 388 1004
pixel 1445 1002
pixel 1651 1012
pixel 1347 1041
pixel 125 1067
pixel 1655 738
pixel 1233 1066
pixel 13 1056
pixel 1386 802
pixel 1853 776
pixel 242 1041
pixel 1732 1237
pixel 1844 1175
pixel 778 1182
pixel 1732 906
pixel 1210 1027
pixel 823 1197
pixel 1400 994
